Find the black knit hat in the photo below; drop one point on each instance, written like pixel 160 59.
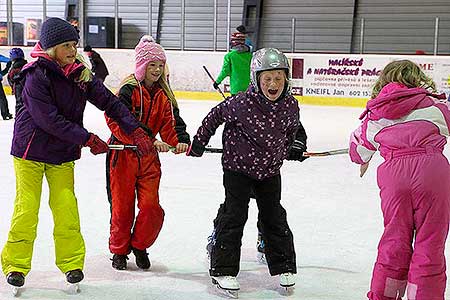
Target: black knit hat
pixel 55 31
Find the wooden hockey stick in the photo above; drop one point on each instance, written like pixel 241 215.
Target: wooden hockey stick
pixel 326 153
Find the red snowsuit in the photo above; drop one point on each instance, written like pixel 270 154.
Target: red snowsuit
pixel 130 176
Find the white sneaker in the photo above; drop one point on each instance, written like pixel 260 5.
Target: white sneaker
pixel 287 279
pixel 226 282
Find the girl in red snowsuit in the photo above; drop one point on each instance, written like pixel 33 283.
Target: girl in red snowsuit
pixel 130 175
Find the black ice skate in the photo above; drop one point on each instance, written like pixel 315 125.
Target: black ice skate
pixel 142 260
pixel 73 278
pixel 17 280
pixel 261 248
pixel 119 262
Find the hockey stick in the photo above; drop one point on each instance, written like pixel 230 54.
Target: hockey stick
pixel 212 78
pixel 207 150
pixel 122 147
pixel 327 153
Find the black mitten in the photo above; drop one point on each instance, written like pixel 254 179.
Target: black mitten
pixel 296 151
pixel 196 149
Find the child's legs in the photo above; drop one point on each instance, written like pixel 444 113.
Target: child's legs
pixel 18 251
pixel 150 218
pixel 395 247
pixel 427 279
pixel 69 243
pixel 272 221
pixel 122 173
pixel 230 222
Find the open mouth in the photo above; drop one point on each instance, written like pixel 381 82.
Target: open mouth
pixel 273 92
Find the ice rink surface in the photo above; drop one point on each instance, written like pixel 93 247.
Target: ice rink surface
pixel 334 215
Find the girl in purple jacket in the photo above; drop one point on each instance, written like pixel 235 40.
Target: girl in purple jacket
pixel 262 128
pixel 48 137
pixel 409 125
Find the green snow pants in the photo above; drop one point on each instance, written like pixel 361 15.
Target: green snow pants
pixel 69 244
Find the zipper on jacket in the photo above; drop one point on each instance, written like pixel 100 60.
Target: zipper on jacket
pixel 28 145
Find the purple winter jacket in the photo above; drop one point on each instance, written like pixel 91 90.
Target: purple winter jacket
pixel 49 125
pixel 258 133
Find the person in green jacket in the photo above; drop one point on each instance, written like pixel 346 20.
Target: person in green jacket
pixel 236 64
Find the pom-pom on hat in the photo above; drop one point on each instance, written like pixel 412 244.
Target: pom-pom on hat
pixel 147 50
pixel 55 31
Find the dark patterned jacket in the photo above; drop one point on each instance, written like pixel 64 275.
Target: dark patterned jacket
pixel 258 133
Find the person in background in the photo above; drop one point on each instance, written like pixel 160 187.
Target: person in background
pixel 18 60
pixel 47 139
pixel 131 176
pixel 236 65
pixel 262 129
pixel 242 29
pixel 98 65
pixel 409 125
pixel 4 109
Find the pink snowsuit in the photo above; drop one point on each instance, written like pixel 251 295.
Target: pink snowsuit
pixel 409 127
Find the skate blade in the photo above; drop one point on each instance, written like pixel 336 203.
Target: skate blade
pixel 261 258
pixel 287 290
pixel 233 294
pixel 16 291
pixel 73 288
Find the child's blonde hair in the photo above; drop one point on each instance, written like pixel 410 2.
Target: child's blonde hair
pixel 166 87
pixel 405 72
pixel 86 74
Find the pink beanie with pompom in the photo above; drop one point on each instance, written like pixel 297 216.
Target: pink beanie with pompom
pixel 146 51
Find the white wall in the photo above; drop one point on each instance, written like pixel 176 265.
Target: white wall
pixel 186 68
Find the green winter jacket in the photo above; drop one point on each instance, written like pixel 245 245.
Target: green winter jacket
pixel 236 65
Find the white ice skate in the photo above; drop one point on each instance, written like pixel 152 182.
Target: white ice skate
pixel 227 285
pixel 287 282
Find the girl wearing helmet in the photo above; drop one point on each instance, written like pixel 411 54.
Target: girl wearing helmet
pixel 262 128
pixel 18 60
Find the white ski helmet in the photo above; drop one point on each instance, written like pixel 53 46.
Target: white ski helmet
pixel 269 59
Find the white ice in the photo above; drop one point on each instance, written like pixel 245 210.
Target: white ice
pixel 334 215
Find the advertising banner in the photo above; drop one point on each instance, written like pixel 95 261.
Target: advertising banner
pixel 348 79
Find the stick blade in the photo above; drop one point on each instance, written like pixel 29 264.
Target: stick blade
pixel 326 153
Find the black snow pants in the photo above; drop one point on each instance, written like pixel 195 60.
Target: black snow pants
pixel 230 221
pixel 3 104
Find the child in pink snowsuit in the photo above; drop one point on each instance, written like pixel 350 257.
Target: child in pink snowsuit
pixel 409 126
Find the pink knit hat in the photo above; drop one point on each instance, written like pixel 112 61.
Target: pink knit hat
pixel 146 51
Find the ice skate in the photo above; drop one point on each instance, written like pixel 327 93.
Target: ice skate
pixel 227 285
pixel 142 260
pixel 287 282
pixel 210 243
pixel 260 247
pixel 119 262
pixel 73 278
pixel 16 280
